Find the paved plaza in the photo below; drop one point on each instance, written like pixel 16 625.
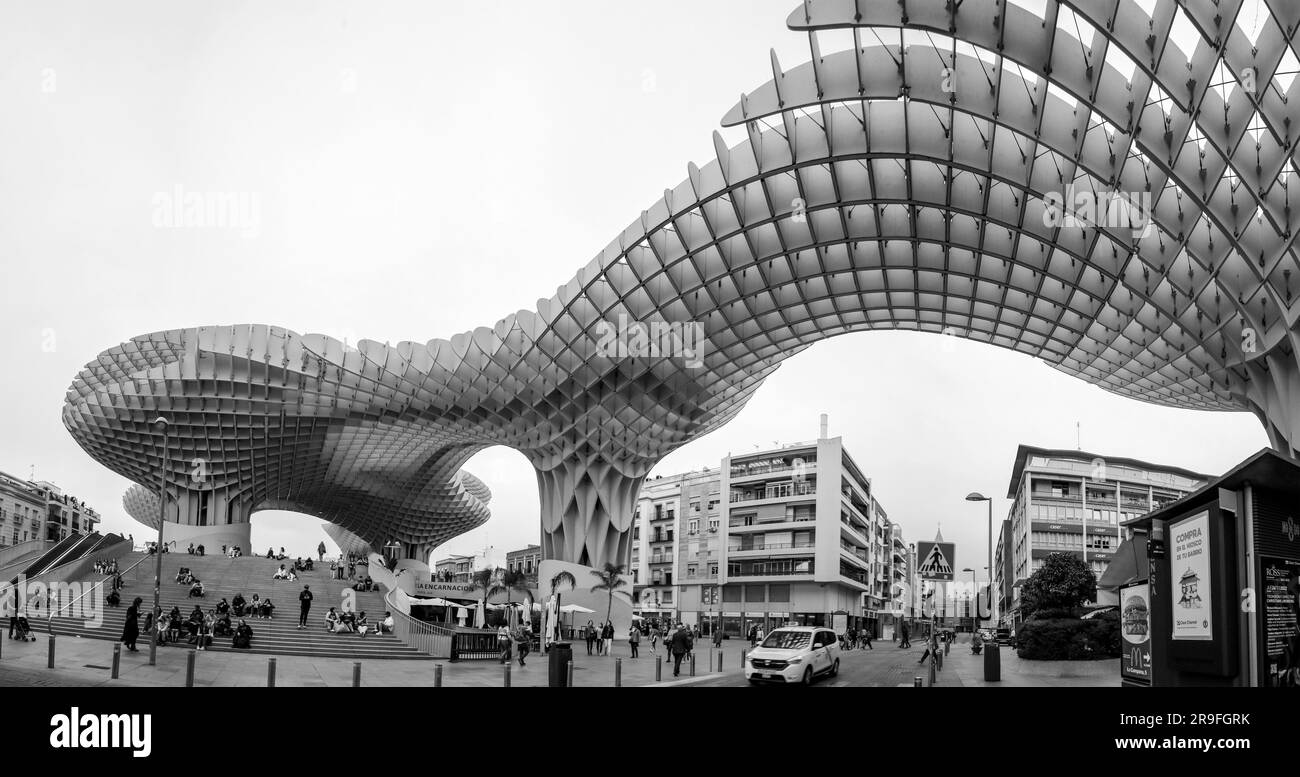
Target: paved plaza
pixel 87 662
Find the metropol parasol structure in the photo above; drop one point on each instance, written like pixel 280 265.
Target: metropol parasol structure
pixel 927 178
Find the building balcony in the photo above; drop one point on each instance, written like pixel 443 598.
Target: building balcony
pixel 768 548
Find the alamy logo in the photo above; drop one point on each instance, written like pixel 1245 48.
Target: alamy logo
pixel 635 339
pixel 65 600
pixel 1087 208
pixel 132 732
pixel 237 211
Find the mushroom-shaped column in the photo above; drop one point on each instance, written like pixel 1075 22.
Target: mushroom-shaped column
pixel 587 503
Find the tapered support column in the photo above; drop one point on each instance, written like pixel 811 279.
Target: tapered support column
pixel 587 504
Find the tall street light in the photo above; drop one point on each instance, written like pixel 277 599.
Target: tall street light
pixel 992 659
pixel 974 590
pixel 160 424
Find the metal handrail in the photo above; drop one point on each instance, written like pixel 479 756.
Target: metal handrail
pixel 96 587
pixel 426 638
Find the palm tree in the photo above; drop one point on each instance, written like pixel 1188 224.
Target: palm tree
pixel 561 578
pixel 611 579
pixel 515 580
pixel 486 579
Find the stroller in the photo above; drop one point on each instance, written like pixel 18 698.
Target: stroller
pixel 22 630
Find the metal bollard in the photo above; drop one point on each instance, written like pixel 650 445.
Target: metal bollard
pixel 570 674
pixel 618 673
pixel 189 668
pixel 938 659
pixel 916 682
pixel 692 664
pixel 659 668
pixel 51 656
pixel 932 663
pixel 742 658
pixel 719 659
pixel 947 646
pixel 506 676
pixel 711 661
pixel 117 658
pixel 270 673
pixel 356 674
pixel 437 675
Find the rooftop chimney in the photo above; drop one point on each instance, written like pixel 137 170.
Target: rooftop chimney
pixel 825 423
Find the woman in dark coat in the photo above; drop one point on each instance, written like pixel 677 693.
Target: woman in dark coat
pixel 131 630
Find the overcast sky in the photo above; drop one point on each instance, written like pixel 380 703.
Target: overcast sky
pixel 415 170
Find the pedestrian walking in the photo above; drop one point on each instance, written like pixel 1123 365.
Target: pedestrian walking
pixel 131 631
pixel 503 642
pixel 903 640
pixel 654 639
pixel 304 600
pixel 865 636
pixel 634 639
pixel 680 646
pixel 931 647
pixel 523 641
pixel 607 637
pixel 590 633
pixel 320 552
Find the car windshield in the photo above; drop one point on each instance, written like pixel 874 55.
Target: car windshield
pixel 787 640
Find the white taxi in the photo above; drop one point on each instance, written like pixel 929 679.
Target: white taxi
pixel 794 654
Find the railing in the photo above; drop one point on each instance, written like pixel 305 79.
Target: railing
pixel 97 587
pixel 427 638
pixel 11 553
pixel 744 472
pixel 773 546
pixel 475 646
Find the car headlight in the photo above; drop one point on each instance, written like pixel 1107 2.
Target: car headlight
pixel 798 660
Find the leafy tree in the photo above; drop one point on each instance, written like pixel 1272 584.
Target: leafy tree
pixel 1063 582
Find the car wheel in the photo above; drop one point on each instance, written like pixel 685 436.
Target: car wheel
pixel 835 668
pixel 808 676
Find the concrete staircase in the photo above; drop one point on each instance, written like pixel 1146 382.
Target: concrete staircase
pixel 224 578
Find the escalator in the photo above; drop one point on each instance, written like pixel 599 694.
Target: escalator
pixel 67 550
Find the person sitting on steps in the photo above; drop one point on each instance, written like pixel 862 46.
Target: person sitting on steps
pixel 243 636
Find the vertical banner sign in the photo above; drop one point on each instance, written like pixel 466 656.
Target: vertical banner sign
pixel 937 560
pixel 1189 570
pixel 1280 580
pixel 1135 626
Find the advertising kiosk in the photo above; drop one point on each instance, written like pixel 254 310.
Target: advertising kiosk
pixel 1220 598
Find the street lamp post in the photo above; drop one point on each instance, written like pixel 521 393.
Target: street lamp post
pixel 973 585
pixel 160 423
pixel 992 657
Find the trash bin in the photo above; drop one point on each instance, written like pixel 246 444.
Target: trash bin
pixel 558 664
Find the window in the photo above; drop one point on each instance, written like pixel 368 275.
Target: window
pixel 787 640
pixel 755 593
pixel 694 526
pixel 713 570
pixel 695 505
pixel 713 525
pixel 713 505
pixel 731 593
pixel 778 593
pixel 690 570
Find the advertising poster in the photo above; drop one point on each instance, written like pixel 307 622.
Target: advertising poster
pixel 1191 584
pixel 1280 584
pixel 1135 628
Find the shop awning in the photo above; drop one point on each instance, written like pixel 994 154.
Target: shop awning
pixel 1129 563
